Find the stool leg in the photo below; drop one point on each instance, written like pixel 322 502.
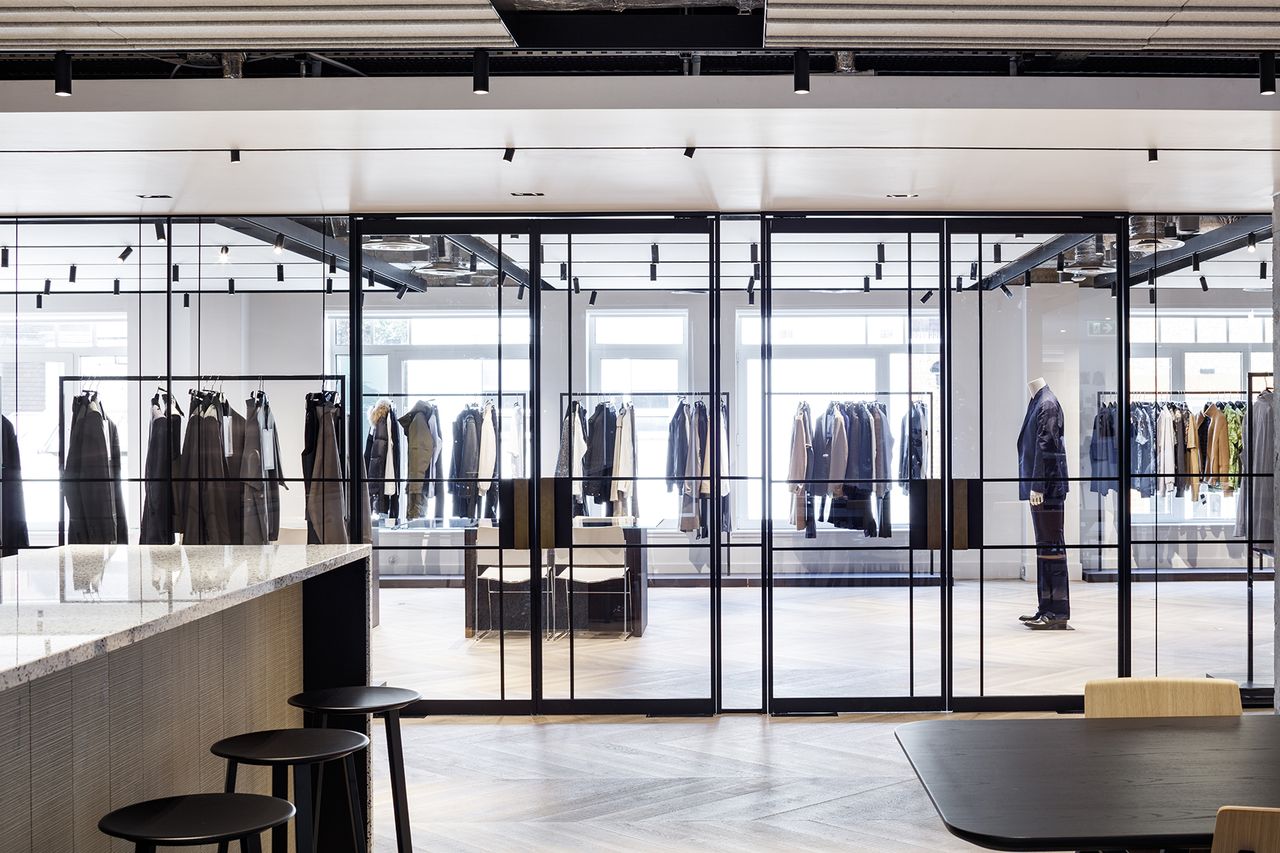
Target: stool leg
pixel 279 789
pixel 144 847
pixel 303 823
pixel 251 844
pixel 399 796
pixel 229 786
pixel 353 797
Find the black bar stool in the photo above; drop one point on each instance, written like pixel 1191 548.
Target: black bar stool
pixel 303 750
pixel 385 702
pixel 198 819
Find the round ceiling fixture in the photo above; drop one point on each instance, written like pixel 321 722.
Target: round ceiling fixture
pixel 393 243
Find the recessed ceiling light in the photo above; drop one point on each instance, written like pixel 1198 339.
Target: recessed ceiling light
pixel 153 195
pixel 527 195
pixel 902 195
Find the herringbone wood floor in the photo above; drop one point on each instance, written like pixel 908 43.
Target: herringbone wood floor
pixel 602 784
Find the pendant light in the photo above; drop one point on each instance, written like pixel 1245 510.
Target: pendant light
pixel 176 275
pixel 278 245
pixel 62 74
pixel 124 256
pixel 186 300
pixel 159 232
pixel 1267 72
pixel 800 71
pixel 480 71
pixel 115 287
pixel 1253 242
pixel 328 285
pixel 4 256
pixel 592 300
pixel 279 272
pixel 231 285
pixel 71 274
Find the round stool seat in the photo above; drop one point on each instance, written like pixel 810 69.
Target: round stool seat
pixel 354 700
pixel 290 746
pixel 197 818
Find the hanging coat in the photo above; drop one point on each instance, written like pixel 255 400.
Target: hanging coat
pixel 261 473
pixel 160 505
pixel 91 478
pixel 13 509
pixel 382 459
pixel 421 426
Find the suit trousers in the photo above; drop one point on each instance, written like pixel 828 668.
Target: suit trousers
pixel 1051 559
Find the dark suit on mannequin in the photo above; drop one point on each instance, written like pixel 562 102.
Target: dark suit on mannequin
pixel 1042 473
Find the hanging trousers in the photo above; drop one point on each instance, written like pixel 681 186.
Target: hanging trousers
pixel 1051 559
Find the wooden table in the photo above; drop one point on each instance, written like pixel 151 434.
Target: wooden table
pixel 1073 784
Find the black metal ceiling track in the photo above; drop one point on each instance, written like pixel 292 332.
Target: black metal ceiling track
pixel 635 43
pixel 1209 245
pixel 303 239
pixel 488 253
pixel 1047 252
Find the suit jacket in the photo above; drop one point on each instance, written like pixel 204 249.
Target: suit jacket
pixel 13 533
pixel 261 484
pixel 677 448
pixel 1042 452
pixel 91 478
pixel 597 466
pixel 160 507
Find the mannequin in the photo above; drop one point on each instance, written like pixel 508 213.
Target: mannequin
pixel 1042 473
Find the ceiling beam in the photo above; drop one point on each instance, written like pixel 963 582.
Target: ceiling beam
pixel 1208 245
pixel 485 251
pixel 1014 271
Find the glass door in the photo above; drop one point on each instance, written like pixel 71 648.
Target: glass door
pixel 631 440
pixel 845 391
pixel 1039 583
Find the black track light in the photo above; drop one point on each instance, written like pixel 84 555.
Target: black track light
pixel 653 254
pixel 928 294
pixel 1099 244
pixel 39 300
pixel 1019 236
pixel 879 272
pixel 159 232
pixel 231 285
pixel 48 286
pixel 176 275
pixel 1267 72
pixel 404 288
pixel 653 272
pixel 279 272
pixel 880 253
pixel 1008 294
pixel 1151 295
pixel 124 256
pixel 235 155
pixel 328 285
pixel 333 265
pixel 564 271
pixel 1026 278
pixel 509 154
pixel 1195 262
pixel 755 253
pixel 959 282
pixel 520 291
pixel 62 74
pixel 223 254
pixel 115 287
pixel 1152 155
pixel 689 151
pixel 371 278
pixel 480 71
pixel 751 290
pixel 1253 242
pixel 186 300
pixel 576 288
pixel 866 284
pixel 800 71
pixel 755 270
pixel 995 250
pixel 4 256
pixel 1262 270
pixel 592 300
pixel 278 245
pixel 1062 262
pixel 1204 284
pixel 71 274
pixel 474 263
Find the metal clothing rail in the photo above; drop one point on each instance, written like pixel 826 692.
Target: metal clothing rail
pixel 168 380
pixel 1250 541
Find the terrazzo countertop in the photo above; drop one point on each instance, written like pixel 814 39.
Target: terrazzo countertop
pixel 63 606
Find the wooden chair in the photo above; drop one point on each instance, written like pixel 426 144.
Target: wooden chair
pixel 1162 697
pixel 1245 828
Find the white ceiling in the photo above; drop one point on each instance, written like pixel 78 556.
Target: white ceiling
pixel 1082 24
pixel 232 25
pixel 600 145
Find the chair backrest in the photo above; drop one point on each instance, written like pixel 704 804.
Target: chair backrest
pixel 1162 697
pixel 1246 828
pixel 597 546
pixel 487 551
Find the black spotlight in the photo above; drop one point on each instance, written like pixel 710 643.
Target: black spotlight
pixel 653 253
pixel 1152 155
pixel 751 291
pixel 223 254
pixel 279 272
pixel 755 253
pixel 1062 262
pixel 1204 284
pixel 480 72
pixel 4 257
pixel 333 264
pixel 176 275
pixel 1151 296
pixel 879 272
pixel 996 252
pixel 71 274
pixel 278 245
pixel 509 154
pixel 186 300
pixel 48 286
pixel 231 285
pixel 928 294
pixel 328 285
pixel 1253 242
pixel 973 271
pixel 371 278
pixel 564 271
pixel 880 253
pixel 404 288
pixel 1008 294
pixel 235 155
pixel 474 263
pixel 800 71
pixel 1195 262
pixel 115 287
pixel 124 256
pixel 62 74
pixel 520 291
pixel 39 300
pixel 159 232
pixel 959 282
pixel 689 151
pixel 1267 72
pixel 576 289
pixel 866 284
pixel 592 300
pixel 1262 270
pixel 653 272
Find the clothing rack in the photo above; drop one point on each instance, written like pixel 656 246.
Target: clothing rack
pixel 1268 377
pixel 167 380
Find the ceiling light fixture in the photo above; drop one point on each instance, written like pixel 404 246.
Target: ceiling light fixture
pixel 278 245
pixel 800 71
pixel 1062 262
pixel 1008 294
pixel 176 275
pixel 235 155
pixel 519 290
pixel 689 151
pixel 4 256
pixel 333 264
pixel 592 300
pixel 996 252
pixel 900 196
pixel 71 274
pixel 474 263
pixel 1151 295
pixel 879 272
pixel 564 271
pixel 653 253
pixel 866 284
pixel 328 285
pixel 1026 278
pixel 124 256
pixel 880 253
pixel 576 288
pixel 223 253
pixel 1253 242
pixel 1204 284
pixel 653 272
pixel 62 74
pixel 48 286
pixel 509 154
pixel 480 72
pixel 371 278
pixel 186 300
pixel 1195 262
pixel 115 287
pixel 404 288
pixel 1262 270
pixel 959 282
pixel 751 290
pixel 39 300
pixel 928 294
pixel 279 272
pixel 159 232
pixel 755 253
pixel 973 271
pixel 231 285
pixel 1153 155
pixel 1267 72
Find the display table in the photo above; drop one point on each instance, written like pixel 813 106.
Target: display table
pixel 121 665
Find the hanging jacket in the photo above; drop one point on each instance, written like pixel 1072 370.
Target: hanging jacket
pixel 13 509
pixel 91 477
pixel 597 465
pixel 465 462
pixel 261 473
pixel 160 505
pixel 421 426
pixel 382 459
pixel 1042 452
pixel 1104 454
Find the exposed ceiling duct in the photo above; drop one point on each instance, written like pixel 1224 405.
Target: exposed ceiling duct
pixel 1091 258
pixel 1149 234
